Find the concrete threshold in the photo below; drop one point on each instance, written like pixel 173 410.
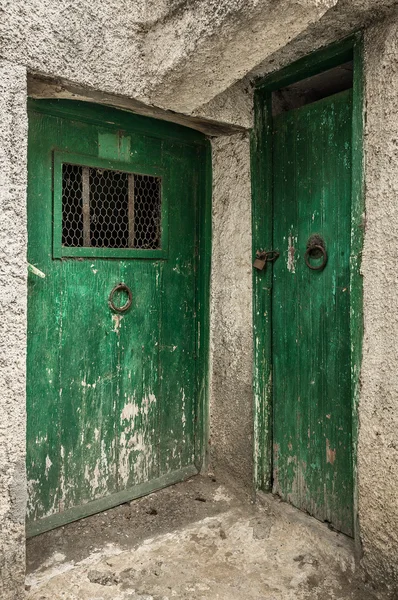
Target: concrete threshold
pixel 202 539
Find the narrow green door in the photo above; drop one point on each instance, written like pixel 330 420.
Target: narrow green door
pixel 112 308
pixel 311 310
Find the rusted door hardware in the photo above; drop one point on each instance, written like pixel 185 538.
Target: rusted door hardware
pixel 316 249
pixel 120 288
pixel 263 257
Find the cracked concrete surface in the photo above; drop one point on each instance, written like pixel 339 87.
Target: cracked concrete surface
pixel 215 545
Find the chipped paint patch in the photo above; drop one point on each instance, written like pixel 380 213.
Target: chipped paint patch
pixel 330 454
pixel 136 450
pixel 88 385
pixel 184 419
pixel 48 465
pixel 130 411
pixel 136 453
pixel 117 319
pixel 36 271
pixel 291 250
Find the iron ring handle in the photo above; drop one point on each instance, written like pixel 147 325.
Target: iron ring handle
pixel 121 287
pixel 307 256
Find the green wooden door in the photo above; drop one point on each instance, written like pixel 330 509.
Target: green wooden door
pixel 311 310
pixel 112 396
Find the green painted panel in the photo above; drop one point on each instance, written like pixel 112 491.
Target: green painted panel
pixel 139 438
pixel 140 163
pixel 112 399
pixel 178 342
pixel 312 418
pixel 89 380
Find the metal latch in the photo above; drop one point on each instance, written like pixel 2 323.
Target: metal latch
pixel 263 257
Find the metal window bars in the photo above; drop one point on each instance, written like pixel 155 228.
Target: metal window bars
pixel 105 208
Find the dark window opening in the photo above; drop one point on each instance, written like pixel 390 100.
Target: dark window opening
pixel 102 208
pixel 313 88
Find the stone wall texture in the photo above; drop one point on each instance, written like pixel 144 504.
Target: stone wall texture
pixel 13 296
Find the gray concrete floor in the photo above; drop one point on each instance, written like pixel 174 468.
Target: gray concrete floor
pixel 203 539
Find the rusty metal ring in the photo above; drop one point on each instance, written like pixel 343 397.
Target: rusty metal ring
pixel 121 287
pixel 307 256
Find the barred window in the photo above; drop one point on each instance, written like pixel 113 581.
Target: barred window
pixel 103 208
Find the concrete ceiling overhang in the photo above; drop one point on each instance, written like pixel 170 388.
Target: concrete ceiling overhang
pixel 174 59
pixel 206 46
pixel 202 48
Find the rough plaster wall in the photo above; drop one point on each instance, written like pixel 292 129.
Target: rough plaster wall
pixel 378 409
pixel 231 418
pixel 229 39
pixel 337 23
pixel 174 54
pixel 206 46
pixel 13 293
pixel 97 44
pixel 103 47
pixel 233 106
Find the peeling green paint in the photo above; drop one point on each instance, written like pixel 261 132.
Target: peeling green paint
pixel 262 194
pixel 113 400
pixel 311 311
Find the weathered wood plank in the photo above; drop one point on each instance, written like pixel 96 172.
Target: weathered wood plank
pixel 138 400
pixel 90 382
pixel 311 311
pixel 112 398
pixel 178 326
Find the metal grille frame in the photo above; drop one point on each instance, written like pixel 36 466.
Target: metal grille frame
pixel 142 239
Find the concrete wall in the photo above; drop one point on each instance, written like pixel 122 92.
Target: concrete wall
pixel 13 296
pixel 175 54
pixel 160 52
pixel 378 409
pixel 231 416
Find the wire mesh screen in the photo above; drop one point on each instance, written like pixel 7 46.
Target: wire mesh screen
pixel 72 206
pixel 146 211
pixel 103 208
pixel 109 208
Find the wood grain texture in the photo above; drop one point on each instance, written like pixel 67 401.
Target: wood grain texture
pixel 311 311
pixel 113 399
pixel 262 217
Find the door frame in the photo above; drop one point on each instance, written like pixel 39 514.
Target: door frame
pixel 98 114
pixel 338 53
